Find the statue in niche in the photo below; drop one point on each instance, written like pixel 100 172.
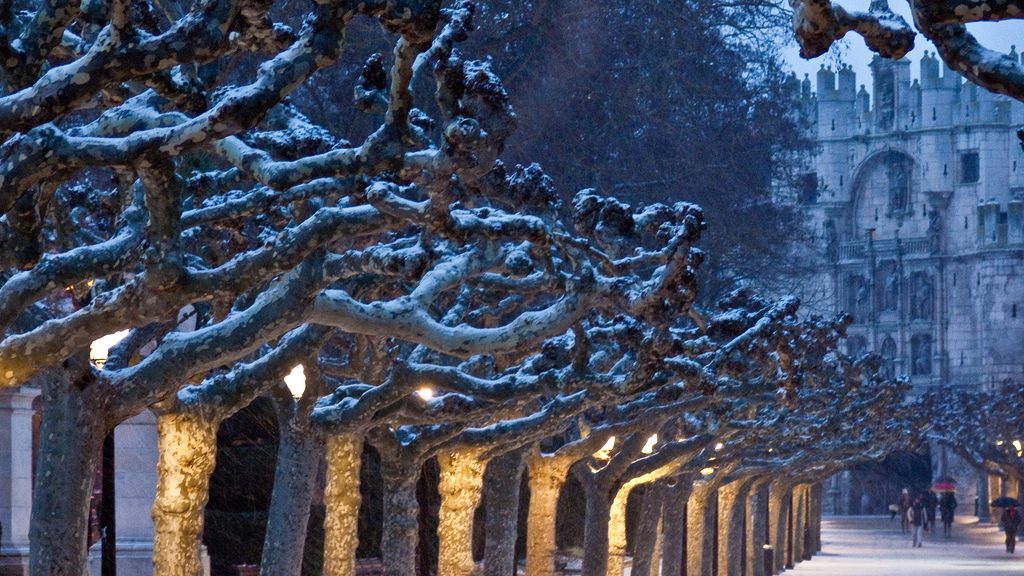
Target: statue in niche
pixel 888 295
pixel 897 172
pixel 858 297
pixel 921 355
pixel 831 240
pixel 934 230
pixel 855 346
pixel 888 354
pixel 922 300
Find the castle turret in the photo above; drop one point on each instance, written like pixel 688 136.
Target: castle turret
pixel 938 94
pixel 836 116
pixel 929 72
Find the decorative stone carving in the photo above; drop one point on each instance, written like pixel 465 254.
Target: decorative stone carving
pixel 921 355
pixel 888 354
pixel 921 296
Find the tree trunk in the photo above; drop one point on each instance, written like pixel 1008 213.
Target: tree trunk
pixel 546 476
pixel 461 484
pixel 757 531
pixel 502 480
pixel 298 457
pixel 342 499
pixel 400 535
pixel 673 514
pixel 700 530
pixel 799 514
pixel 595 530
pixel 187 452
pixel 732 508
pixel 778 514
pixel 814 517
pixel 69 446
pixel 617 531
pixel 645 542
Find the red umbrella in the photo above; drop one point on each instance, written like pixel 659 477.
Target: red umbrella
pixel 944 484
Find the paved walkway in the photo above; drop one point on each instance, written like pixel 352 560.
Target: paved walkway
pixel 874 546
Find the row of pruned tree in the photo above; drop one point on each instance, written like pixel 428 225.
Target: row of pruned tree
pixel 440 303
pixel 983 426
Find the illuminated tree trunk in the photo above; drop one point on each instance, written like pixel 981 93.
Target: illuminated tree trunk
pixel 399 536
pixel 799 522
pixel 595 530
pixel 187 452
pixel 673 513
pixel 732 509
pixel 645 542
pixel 617 531
pixel 757 528
pixel 460 486
pixel 501 492
pixel 546 477
pixel 342 499
pixel 298 456
pixel 700 530
pixel 814 518
pixel 778 514
pixel 69 444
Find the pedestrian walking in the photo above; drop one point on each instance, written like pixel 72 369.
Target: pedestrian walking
pixel 931 502
pixel 1011 522
pixel 946 508
pixel 904 510
pixel 917 517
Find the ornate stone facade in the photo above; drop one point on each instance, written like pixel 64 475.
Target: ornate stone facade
pixel 919 206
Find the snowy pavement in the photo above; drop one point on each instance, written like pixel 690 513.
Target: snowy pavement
pixel 872 545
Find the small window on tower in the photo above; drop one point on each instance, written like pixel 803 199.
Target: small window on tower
pixel 970 168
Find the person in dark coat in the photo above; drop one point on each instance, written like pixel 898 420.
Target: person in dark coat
pixel 917 518
pixel 1011 522
pixel 931 502
pixel 946 507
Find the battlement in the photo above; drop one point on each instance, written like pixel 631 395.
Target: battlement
pixel 895 102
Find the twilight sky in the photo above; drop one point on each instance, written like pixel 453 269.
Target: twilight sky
pixel 994 35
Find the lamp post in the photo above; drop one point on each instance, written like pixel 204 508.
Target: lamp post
pixel 99 351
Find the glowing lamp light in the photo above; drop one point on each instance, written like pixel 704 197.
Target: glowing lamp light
pixel 605 452
pixel 426 393
pixel 1017 446
pixel 719 446
pixel 296 381
pixel 707 471
pixel 649 446
pixel 99 350
pixel 1000 442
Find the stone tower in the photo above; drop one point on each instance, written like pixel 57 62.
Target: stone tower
pixel 916 194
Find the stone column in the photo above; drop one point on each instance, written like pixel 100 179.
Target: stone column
pixel 814 519
pixel 135 479
pixel 15 477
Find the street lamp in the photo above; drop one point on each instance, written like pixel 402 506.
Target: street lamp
pixel 99 351
pixel 425 392
pixel 296 381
